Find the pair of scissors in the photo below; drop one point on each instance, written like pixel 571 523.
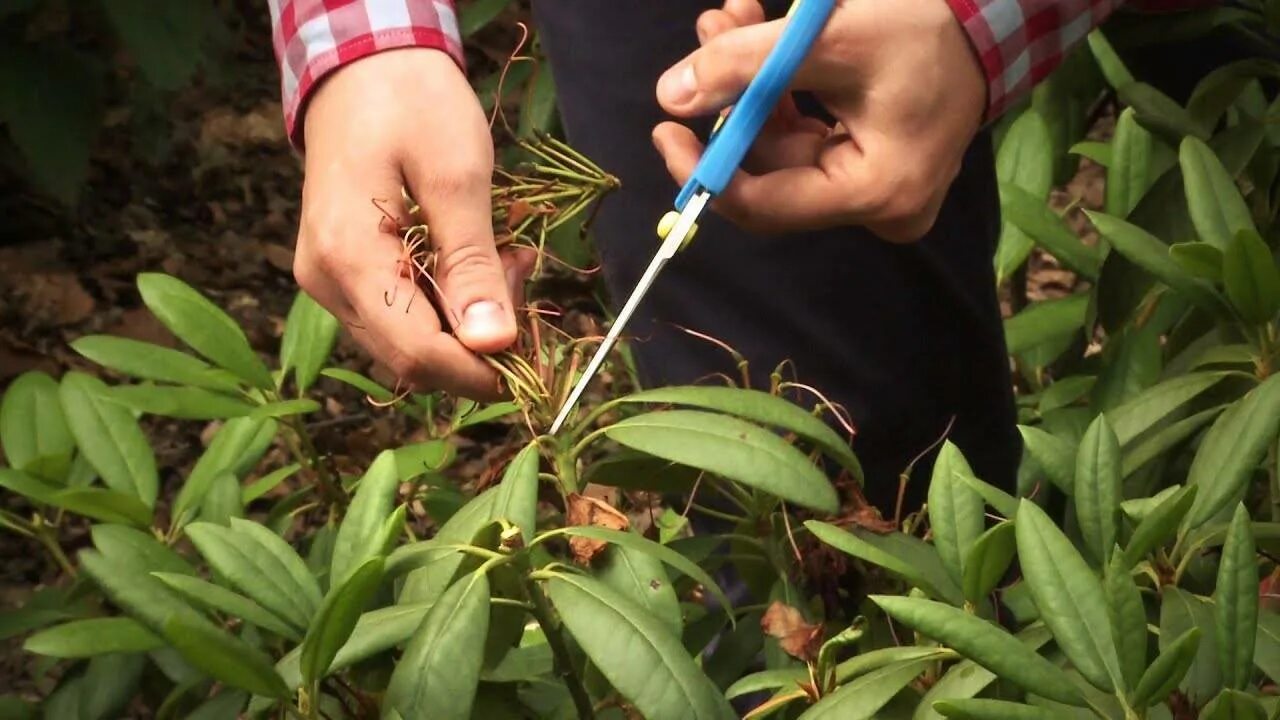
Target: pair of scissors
pixel 729 143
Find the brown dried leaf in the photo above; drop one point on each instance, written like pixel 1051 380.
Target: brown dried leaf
pixel 279 256
pixel 796 637
pixel 1269 592
pixel 586 510
pixel 54 298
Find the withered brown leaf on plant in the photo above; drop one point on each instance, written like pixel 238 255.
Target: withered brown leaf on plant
pixel 586 510
pixel 799 639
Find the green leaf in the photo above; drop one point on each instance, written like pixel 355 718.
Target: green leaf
pixel 33 428
pixel 1250 277
pixel 424 457
pixel 185 403
pixel 903 555
pixel 1181 611
pixel 760 407
pixel 200 324
pixel 1159 526
pixel 641 658
pixel 1097 488
pixel 966 679
pixel 374 500
pixel 337 618
pixel 165 41
pixel 148 361
pixel 1168 669
pixel 538 107
pixel 1098 152
pixel 1065 392
pixel 1216 206
pixel 267 483
pixel 95 636
pixel 1131 173
pixel 223 656
pixel 1236 602
pixel 309 334
pixel 1145 411
pixel 1045 321
pixel 1069 597
pixel 517 498
pixel 223 500
pixel 1234 705
pixel 226 705
pixel 1034 217
pixel 983 643
pixel 1152 255
pixel 992 710
pixel 475 15
pixel 1159 113
pixel 854 667
pixel 438 675
pixel 640 577
pixel 955 510
pixel 427 583
pixel 105 505
pixel 1109 62
pixel 865 696
pixel 1003 502
pixel 1024 159
pixel 1159 442
pixel 529 663
pixel 1128 619
pixel 1234 445
pixel 262 566
pixel 1055 456
pixel 109 437
pixel 731 448
pixel 131 589
pixel 988 561
pixel 1266 654
pixel 359 382
pixel 50 103
pixel 139 550
pixel 219 599
pixel 1199 258
pixel 238 443
pixel 635 542
pixel 285 408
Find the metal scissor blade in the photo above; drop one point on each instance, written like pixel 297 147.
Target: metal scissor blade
pixel 670 245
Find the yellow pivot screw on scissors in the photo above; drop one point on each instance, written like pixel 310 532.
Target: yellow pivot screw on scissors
pixel 729 144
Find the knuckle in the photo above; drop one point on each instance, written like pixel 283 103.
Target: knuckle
pixel 468 259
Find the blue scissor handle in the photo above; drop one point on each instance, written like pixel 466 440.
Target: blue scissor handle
pixel 729 144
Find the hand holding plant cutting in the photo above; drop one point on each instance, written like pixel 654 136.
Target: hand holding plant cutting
pixel 903 84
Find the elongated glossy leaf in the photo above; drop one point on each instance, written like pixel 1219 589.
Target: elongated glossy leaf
pixel 487 414
pixel 1132 172
pixel 359 382
pixel 336 619
pixel 1266 653
pixel 476 15
pixel 374 500
pixel 1047 229
pixel 432 569
pixel 1199 258
pixel 1181 611
pixel 254 565
pixel 1236 602
pixel 224 656
pixel 865 696
pixel 1128 619
pixel 635 542
pixel 1217 209
pixel 267 483
pixel 517 498
pixel 106 505
pixel 984 643
pixel 138 550
pixel 285 408
pixel 1097 488
pixel 1159 442
pixel 1159 113
pixel 1159 526
pixel 1109 62
pixel 147 361
pixel 95 636
pixel 1152 255
pixel 109 437
pixel 1136 416
pixel 440 670
pixel 1234 705
pixel 33 428
pixel 186 403
pixel 1003 502
pixel 1167 670
pixel 131 589
pixel 235 444
pixel 1045 321
pixel 758 407
pixel 854 667
pixel 641 577
pixel 988 561
pixel 201 593
pixel 639 655
pixel 966 678
pixel 1055 456
pixel 1025 159
pixel 955 510
pixel 903 555
pixel 1251 279
pixel 992 710
pixel 731 448
pixel 203 326
pixel 1234 445
pixel 309 335
pixel 1098 152
pixel 1069 597
pixel 424 457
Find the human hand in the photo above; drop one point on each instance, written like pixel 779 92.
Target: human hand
pixel 900 78
pixel 407 118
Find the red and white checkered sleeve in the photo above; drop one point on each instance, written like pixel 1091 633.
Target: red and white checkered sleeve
pixel 313 37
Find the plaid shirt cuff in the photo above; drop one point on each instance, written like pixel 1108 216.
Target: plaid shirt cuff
pixel 1019 42
pixel 313 37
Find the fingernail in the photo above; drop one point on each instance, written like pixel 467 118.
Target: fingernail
pixel 483 316
pixel 679 85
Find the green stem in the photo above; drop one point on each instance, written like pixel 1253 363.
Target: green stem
pixel 736 519
pixel 307 454
pixel 50 543
pixel 541 611
pixel 566 464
